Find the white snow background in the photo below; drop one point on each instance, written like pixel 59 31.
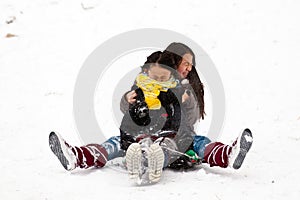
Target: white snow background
pixel 255 46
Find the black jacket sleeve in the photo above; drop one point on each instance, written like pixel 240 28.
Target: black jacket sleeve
pixel 171 104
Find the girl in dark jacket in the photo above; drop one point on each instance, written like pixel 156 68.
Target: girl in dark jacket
pixel 150 126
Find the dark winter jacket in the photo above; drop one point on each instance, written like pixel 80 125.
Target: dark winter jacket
pixel 138 119
pixel 173 116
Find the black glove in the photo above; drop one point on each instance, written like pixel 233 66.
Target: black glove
pixel 139 113
pixel 184 162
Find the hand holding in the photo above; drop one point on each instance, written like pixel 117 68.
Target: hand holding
pixel 130 97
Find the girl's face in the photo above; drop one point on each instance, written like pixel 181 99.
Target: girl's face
pixel 185 66
pixel 159 73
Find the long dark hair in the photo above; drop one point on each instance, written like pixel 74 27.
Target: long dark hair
pixel 179 49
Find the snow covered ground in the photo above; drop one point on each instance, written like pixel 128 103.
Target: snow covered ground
pixel 255 46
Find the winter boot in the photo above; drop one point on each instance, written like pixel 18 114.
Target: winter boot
pixel 155 162
pixel 63 151
pixel 92 155
pixel 222 155
pixel 144 161
pixel 133 161
pixel 240 148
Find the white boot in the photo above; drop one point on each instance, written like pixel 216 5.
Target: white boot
pixel 156 159
pixel 133 161
pixel 144 161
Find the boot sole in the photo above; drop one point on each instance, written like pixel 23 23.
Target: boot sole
pixel 155 162
pixel 134 161
pixel 55 143
pixel 243 145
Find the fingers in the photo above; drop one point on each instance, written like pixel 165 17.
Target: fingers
pixel 131 97
pixel 185 97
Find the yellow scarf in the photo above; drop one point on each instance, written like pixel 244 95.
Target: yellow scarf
pixel 152 88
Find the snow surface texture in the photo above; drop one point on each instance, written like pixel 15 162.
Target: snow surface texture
pixel 254 45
